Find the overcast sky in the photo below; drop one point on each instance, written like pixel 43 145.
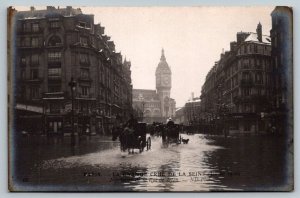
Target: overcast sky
pixel 192 37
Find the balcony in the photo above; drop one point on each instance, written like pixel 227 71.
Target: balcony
pixel 246 83
pixel 54 78
pixel 30 31
pixel 30 46
pixel 32 80
pixel 85 79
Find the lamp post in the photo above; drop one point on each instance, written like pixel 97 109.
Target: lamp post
pixel 72 85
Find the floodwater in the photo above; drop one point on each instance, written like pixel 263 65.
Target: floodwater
pixel 206 163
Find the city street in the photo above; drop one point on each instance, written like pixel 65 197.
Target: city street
pixel 206 163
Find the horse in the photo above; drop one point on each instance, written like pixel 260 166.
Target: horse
pixel 128 140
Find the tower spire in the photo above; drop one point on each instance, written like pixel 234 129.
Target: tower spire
pixel 163 58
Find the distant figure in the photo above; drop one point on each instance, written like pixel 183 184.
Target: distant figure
pixel 170 123
pixel 131 123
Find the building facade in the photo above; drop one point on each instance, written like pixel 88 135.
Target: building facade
pixel 54 46
pixel 156 105
pixel 237 91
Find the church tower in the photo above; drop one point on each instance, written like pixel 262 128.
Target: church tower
pixel 163 85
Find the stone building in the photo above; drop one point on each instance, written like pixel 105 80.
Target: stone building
pixel 192 111
pixel 55 45
pixel 156 105
pixel 237 90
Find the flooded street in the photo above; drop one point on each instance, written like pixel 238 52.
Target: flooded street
pixel 206 163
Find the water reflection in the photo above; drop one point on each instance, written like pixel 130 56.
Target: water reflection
pixel 205 164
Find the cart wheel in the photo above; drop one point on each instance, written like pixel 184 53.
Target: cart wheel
pixel 148 143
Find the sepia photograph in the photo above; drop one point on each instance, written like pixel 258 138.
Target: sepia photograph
pixel 150 99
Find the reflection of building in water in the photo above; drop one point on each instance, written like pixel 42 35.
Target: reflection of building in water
pixel 156 105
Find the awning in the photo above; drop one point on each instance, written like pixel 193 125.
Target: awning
pixel 54 98
pixel 31 108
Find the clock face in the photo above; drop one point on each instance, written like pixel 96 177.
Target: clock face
pixel 166 80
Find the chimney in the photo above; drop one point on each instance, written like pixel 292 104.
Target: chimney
pixel 241 36
pixel 32 8
pixel 259 32
pixel 50 8
pixel 192 96
pixel 69 9
pixel 232 46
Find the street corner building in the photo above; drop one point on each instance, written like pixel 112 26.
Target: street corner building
pixel 156 105
pixel 249 89
pixel 53 47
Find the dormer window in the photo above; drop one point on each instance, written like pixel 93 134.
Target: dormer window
pixel 82 24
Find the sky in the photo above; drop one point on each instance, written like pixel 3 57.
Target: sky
pixel 192 37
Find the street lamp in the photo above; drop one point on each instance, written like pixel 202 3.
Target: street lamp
pixel 72 85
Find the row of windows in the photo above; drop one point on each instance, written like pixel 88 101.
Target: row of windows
pixel 53 73
pixel 253 48
pixel 34 60
pixel 34 91
pixel 54 56
pixel 250 91
pixel 28 42
pixel 257 63
pixel 31 27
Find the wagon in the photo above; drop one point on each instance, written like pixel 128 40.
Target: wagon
pixel 135 138
pixel 171 134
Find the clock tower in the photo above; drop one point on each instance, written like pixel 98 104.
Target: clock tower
pixel 163 85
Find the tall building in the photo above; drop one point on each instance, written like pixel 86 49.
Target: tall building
pixel 156 105
pixel 54 46
pixel 282 62
pixel 237 91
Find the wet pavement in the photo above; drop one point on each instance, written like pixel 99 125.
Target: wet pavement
pixel 206 163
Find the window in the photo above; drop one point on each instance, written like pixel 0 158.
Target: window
pixel 34 74
pixel 252 60
pixel 258 91
pixel 34 92
pixel 83 24
pixel 84 58
pixel 255 48
pixel 54 24
pixel 247 126
pixel 23 74
pixel 246 76
pixel 246 91
pixel 85 91
pixel 35 27
pixel 26 27
pixel 23 61
pixel 54 41
pixel 258 78
pixel 54 57
pixel 246 63
pixel 23 91
pixel 54 88
pixel 83 40
pixel 54 108
pixel 34 42
pixel 34 59
pixel 54 73
pixel 85 73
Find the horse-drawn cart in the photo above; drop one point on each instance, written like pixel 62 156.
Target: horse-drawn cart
pixel 133 138
pixel 171 134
